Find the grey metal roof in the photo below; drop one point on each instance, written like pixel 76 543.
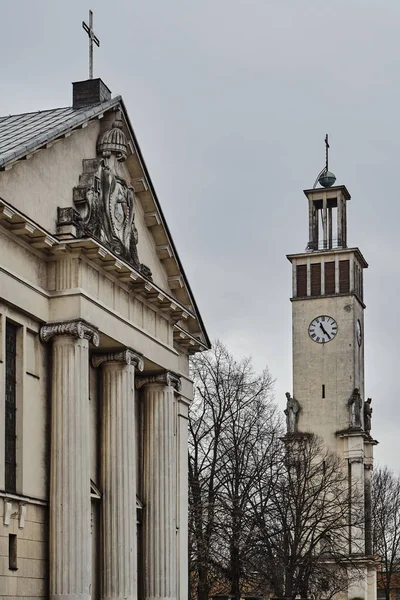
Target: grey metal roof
pixel 21 134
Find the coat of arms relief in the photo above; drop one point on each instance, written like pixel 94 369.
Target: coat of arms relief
pixel 104 202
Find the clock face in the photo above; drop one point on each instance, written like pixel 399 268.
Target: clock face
pixel 322 329
pixel 358 332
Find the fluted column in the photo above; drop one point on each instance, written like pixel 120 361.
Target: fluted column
pixel 159 486
pixel 118 474
pixel 70 539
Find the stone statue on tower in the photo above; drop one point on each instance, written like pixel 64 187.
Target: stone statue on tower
pixel 291 411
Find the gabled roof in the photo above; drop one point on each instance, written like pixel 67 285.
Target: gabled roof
pixel 24 134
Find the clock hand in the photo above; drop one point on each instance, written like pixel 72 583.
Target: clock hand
pixel 323 329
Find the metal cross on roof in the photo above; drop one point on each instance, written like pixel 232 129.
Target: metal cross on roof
pixel 92 38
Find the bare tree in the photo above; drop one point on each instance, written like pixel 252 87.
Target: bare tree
pixel 386 524
pixel 303 515
pixel 234 433
pixel 266 511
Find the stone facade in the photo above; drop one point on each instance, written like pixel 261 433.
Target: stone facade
pixel 105 321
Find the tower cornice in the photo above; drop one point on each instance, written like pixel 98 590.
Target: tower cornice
pixel 329 252
pixel 346 294
pixel 329 192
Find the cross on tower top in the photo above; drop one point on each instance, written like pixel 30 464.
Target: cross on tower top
pixel 92 38
pixel 326 152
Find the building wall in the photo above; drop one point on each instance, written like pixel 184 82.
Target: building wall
pixel 24 513
pixel 30 580
pixel 39 185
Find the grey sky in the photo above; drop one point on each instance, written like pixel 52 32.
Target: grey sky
pixel 231 100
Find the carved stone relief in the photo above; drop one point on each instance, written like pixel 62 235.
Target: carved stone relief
pixel 104 203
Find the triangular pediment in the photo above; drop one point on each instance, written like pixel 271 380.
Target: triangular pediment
pixel 112 212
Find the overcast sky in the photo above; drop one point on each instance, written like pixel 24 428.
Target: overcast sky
pixel 230 100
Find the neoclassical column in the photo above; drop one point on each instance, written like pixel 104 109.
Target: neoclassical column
pixel 118 474
pixel 159 486
pixel 70 539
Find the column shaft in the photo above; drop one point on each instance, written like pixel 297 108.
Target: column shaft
pixel 119 577
pixel 339 222
pixel 330 228
pixel 344 224
pixel 311 224
pixel 182 500
pixel 70 539
pixel 324 221
pixel 159 493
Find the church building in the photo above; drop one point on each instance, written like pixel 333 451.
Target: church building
pixel 328 361
pixel 97 324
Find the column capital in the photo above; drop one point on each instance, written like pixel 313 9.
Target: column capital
pixel 356 459
pixel 167 378
pixel 77 328
pixel 127 357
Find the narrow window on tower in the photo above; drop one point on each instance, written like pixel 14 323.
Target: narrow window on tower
pixel 11 409
pixel 330 278
pixel 323 390
pixel 316 279
pixel 12 552
pixel 301 277
pixel 344 276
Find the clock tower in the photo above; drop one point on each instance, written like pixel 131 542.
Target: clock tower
pixel 328 356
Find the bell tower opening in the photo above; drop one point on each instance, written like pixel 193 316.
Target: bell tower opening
pixel 327 211
pixel 328 267
pixel 327 217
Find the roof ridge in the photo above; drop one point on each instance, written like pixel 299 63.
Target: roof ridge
pixel 46 110
pixel 34 112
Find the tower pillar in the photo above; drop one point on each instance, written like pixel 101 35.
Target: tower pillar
pixel 357 491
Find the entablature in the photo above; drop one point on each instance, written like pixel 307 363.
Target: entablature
pixel 50 247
